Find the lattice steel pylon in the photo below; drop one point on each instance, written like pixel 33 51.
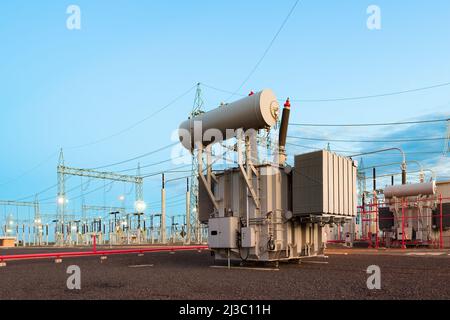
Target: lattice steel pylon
pixel 37 221
pixel 61 201
pixel 362 185
pixel 194 189
pixel 63 171
pixel 447 141
pixel 361 181
pixel 139 186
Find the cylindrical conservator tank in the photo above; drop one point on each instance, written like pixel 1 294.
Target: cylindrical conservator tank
pixel 410 190
pixel 258 111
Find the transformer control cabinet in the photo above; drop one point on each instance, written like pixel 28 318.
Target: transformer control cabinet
pixel 248 237
pixel 223 233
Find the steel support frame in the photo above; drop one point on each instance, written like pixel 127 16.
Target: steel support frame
pixel 64 171
pixel 37 216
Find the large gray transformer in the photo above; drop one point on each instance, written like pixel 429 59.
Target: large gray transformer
pixel 408 212
pixel 268 212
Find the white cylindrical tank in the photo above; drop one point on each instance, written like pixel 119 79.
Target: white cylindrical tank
pixel 258 111
pixel 410 190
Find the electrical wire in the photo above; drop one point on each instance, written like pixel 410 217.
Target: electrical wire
pixel 354 151
pixel 440 85
pixel 175 170
pixel 91 192
pixel 29 171
pixel 102 167
pixel 369 141
pixel 344 99
pixel 137 157
pixel 136 123
pixel 170 200
pixel 110 183
pixel 267 49
pixel 369 124
pixel 111 136
pixel 223 90
pixel 68 191
pixel 150 165
pixel 38 193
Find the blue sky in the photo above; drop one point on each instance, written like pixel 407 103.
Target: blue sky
pixel 62 88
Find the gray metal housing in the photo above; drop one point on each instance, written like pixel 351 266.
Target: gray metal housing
pixel 265 233
pixel 324 184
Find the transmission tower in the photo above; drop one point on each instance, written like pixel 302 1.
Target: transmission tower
pixel 447 141
pixel 139 189
pixel 361 182
pixel 361 175
pixel 61 200
pixel 195 223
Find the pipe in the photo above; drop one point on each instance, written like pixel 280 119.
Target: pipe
pixel 391 174
pixel 396 163
pixel 404 166
pixel 382 150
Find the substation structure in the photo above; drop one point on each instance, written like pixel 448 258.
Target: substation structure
pixel 106 225
pixel 33 232
pixel 410 215
pixel 415 214
pixel 259 209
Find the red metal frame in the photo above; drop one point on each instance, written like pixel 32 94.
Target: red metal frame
pixel 94 252
pixel 376 225
pixel 441 236
pixel 370 215
pixel 403 225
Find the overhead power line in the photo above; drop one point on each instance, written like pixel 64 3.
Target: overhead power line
pixel 174 170
pixel 54 186
pixel 440 85
pixel 24 174
pixel 150 165
pixel 356 151
pixel 335 99
pixel 67 191
pixel 112 136
pixel 38 193
pixel 369 141
pixel 92 191
pixel 136 123
pixel 267 49
pixel 223 90
pixel 369 124
pixel 137 157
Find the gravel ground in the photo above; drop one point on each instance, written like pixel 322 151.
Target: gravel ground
pixel 189 275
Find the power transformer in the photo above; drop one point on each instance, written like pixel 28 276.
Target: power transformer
pixel 266 211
